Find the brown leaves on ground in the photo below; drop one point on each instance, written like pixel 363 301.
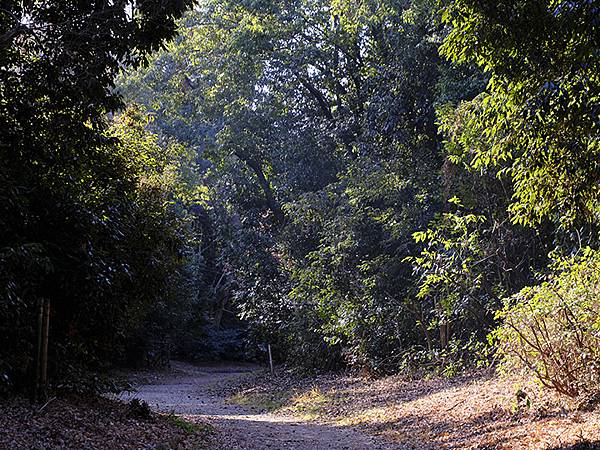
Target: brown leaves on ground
pixel 91 423
pixel 477 411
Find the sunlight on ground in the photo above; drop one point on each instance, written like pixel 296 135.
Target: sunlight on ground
pixel 260 401
pixel 475 410
pixel 310 404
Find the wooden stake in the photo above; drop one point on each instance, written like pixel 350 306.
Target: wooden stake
pixel 270 360
pixel 44 358
pixel 38 351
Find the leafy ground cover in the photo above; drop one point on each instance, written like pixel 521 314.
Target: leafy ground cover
pixel 475 411
pixel 94 423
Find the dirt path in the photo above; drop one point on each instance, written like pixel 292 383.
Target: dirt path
pixel 189 391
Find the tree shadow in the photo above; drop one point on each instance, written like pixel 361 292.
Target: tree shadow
pixel 586 445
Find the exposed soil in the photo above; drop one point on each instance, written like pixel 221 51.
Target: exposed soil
pixel 196 394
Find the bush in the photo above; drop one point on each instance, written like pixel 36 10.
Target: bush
pixel 553 329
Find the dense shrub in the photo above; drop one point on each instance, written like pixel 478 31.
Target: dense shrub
pixel 553 329
pixel 87 228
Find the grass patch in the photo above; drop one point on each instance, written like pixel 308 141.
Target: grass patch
pixel 190 428
pixel 261 401
pixel 310 404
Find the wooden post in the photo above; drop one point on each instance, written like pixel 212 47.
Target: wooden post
pixel 270 360
pixel 38 351
pixel 44 356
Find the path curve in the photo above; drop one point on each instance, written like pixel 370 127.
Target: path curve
pixel 189 391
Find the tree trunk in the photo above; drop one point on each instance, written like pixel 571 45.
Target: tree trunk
pixel 266 188
pixel 444 334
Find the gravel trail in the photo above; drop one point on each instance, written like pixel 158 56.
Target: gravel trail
pixel 191 392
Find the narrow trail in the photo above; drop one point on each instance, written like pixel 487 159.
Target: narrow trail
pixel 189 391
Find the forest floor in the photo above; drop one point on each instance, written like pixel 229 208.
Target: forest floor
pixel 474 411
pixel 238 407
pixel 91 422
pixel 250 409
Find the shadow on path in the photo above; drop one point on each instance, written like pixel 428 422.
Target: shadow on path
pixel 190 392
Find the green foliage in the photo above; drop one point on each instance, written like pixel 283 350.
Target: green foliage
pixel 316 122
pixel 458 356
pixel 453 275
pixel 552 329
pixel 537 122
pixel 451 253
pixel 79 228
